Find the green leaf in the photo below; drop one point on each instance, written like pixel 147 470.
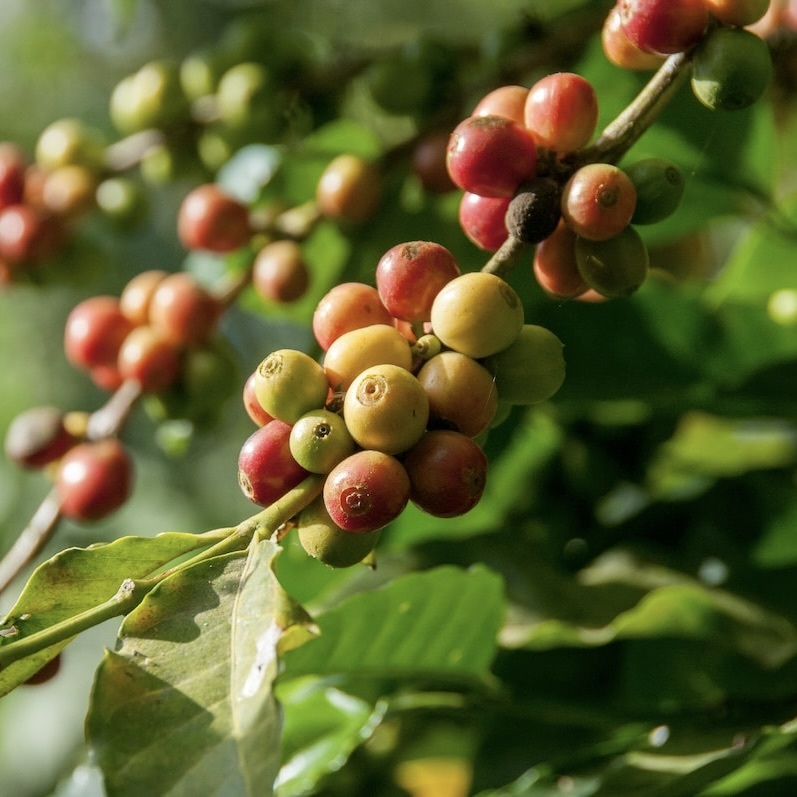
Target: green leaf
pixel 77 579
pixel 185 705
pixel 439 624
pixel 323 725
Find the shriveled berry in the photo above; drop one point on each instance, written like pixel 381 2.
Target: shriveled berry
pixel 659 185
pixel 534 211
pixel 477 314
pixel 532 369
pixel 732 69
pixel 289 383
pixel 386 409
pixel 319 440
pixel 366 491
pixel 448 473
pixel 324 540
pixel 94 479
pixel 616 267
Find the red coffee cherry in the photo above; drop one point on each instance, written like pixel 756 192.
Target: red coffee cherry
pixel 664 26
pixel 491 155
pixel 12 174
pixel 182 310
pixel 135 298
pixel 366 491
pixel 598 201
pixel 347 306
pixel 483 220
pixel 252 406
pixel 280 273
pixel 620 50
pixel 429 162
pixel 266 467
pixel 448 473
pixel 94 479
pixel 29 235
pixel 94 333
pixel 410 275
pixel 555 264
pixel 37 437
pixel 210 219
pixel 561 111
pixel 506 101
pixel 150 359
pixel 349 189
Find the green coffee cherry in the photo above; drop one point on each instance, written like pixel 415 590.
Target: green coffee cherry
pixel 150 98
pixel 659 185
pixel 289 384
pixel 616 267
pixel 531 370
pixel 68 142
pixel 319 440
pixel 731 70
pixel 322 539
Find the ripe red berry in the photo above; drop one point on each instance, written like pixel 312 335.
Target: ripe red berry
pixel 266 467
pixel 448 473
pixel 12 174
pixel 150 359
pixel 182 310
pixel 210 219
pixel 664 26
pixel 29 235
pixel 410 275
pixel 491 155
pixel 366 491
pixel 94 332
pixel 561 111
pixel 555 264
pixel 94 479
pixel 252 406
pixel 348 306
pixel 482 219
pixel 620 50
pixel 37 437
pixel 507 101
pixel 280 273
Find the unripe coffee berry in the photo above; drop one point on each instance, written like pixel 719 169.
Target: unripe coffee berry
pixel 477 314
pixel 386 409
pixel 290 383
pixel 320 440
pixel 614 268
pixel 659 185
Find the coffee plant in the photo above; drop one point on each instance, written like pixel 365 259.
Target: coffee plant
pixel 397 398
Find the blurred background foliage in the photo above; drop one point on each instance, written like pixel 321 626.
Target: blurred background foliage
pixel 644 523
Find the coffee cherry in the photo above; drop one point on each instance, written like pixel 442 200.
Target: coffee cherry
pixel 386 409
pixel 732 69
pixel 598 201
pixel 349 189
pixel 70 142
pixel 506 101
pixel 483 220
pixel 410 275
pixel 37 437
pixel 664 26
pixel 532 369
pixel 135 298
pixel 12 174
pixel 29 235
pixel 614 268
pixel 94 479
pixel 290 383
pixel 534 211
pixel 149 358
pixel 182 311
pixel 491 155
pixel 122 201
pixel 555 266
pixel 347 306
pixel 324 540
pixel 69 191
pixel 245 98
pixel 659 186
pixel 477 314
pixel 561 111
pixel 266 467
pixel 620 50
pixel 252 406
pixel 280 273
pixel 353 352
pixel 319 440
pixel 429 162
pixel 94 332
pixel 448 473
pixel 738 13
pixel 366 491
pixel 461 393
pixel 210 219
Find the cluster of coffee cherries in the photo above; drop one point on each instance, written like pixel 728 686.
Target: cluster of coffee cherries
pixel 92 478
pixel 414 372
